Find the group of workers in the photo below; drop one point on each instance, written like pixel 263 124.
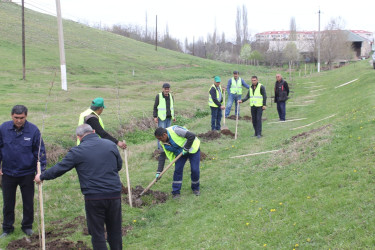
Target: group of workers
pixel 97 160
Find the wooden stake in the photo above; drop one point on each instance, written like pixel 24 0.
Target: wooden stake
pixel 161 174
pixel 127 177
pixel 265 152
pixel 40 196
pixel 238 111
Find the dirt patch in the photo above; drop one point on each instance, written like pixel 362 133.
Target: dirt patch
pixel 147 199
pixel 155 154
pixel 203 156
pixel 227 132
pixel 246 117
pixel 33 243
pixel 210 135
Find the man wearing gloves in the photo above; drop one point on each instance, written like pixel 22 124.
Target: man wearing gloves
pixel 174 141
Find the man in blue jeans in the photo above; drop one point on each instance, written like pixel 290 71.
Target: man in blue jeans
pixel 215 99
pixel 234 90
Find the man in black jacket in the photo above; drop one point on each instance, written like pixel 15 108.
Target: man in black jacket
pixel 281 95
pixel 215 99
pixel 97 162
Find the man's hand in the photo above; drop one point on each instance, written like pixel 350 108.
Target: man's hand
pixel 121 144
pixel 1 171
pixel 239 101
pixel 37 179
pixel 185 152
pixel 264 107
pixel 222 107
pixel 156 120
pixel 224 88
pixel 174 119
pixel 157 176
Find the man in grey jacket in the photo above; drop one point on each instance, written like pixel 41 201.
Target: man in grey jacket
pixel 97 162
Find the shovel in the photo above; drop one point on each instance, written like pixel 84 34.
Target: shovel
pixel 161 174
pixel 238 111
pixel 224 126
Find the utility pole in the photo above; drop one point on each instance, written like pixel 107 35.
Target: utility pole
pixel 23 42
pixel 319 43
pixel 64 84
pixel 156 34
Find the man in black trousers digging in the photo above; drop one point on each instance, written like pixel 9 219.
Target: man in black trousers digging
pixel 97 162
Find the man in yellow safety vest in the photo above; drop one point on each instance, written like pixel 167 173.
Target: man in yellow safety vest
pixel 234 90
pixel 215 100
pixel 175 140
pixel 258 103
pixel 91 116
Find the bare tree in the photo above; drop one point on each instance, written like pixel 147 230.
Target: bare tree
pixel 293 30
pixel 238 28
pixel 245 29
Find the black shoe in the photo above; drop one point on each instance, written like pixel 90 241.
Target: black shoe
pixel 4 234
pixel 176 196
pixel 28 231
pixel 196 192
pixel 259 136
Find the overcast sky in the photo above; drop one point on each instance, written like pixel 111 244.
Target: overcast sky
pixel 196 18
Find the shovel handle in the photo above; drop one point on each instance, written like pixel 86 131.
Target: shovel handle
pixel 127 176
pixel 161 174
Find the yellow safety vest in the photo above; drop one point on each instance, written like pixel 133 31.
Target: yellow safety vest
pixel 210 101
pixel 236 86
pixel 162 107
pixel 180 141
pixel 256 99
pixel 82 119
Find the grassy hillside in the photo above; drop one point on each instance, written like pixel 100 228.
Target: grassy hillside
pixel 316 192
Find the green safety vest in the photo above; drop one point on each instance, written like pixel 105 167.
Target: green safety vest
pixel 256 99
pixel 162 107
pixel 210 101
pixel 236 87
pixel 82 119
pixel 180 141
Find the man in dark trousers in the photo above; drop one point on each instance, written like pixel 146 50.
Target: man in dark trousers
pixel 91 116
pixel 163 115
pixel 215 100
pixel 20 144
pixel 175 140
pixel 97 162
pixel 281 95
pixel 258 100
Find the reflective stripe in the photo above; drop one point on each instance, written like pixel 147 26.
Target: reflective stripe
pixel 195 182
pixel 218 96
pixel 162 107
pixel 236 88
pixel 256 98
pixel 177 182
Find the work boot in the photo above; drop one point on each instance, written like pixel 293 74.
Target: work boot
pixel 28 231
pixel 176 196
pixel 196 192
pixel 4 234
pixel 259 136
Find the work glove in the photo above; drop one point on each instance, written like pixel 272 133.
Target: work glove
pixel 157 176
pixel 185 152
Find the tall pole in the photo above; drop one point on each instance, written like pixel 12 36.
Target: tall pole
pixel 23 42
pixel 319 44
pixel 156 34
pixel 64 84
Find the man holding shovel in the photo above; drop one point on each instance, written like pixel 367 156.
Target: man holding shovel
pixel 97 162
pixel 258 99
pixel 174 141
pixel 215 100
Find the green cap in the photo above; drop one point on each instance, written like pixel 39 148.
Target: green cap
pixel 217 79
pixel 98 102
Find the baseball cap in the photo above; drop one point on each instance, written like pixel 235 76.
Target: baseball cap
pixel 166 85
pixel 217 79
pixel 98 102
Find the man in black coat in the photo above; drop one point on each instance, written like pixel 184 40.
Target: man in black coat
pixel 281 95
pixel 97 162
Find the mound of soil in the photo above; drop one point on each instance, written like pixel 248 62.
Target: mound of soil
pixel 203 156
pixel 33 243
pixel 227 132
pixel 155 154
pixel 147 199
pixel 210 135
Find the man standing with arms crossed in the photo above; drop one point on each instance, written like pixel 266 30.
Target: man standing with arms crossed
pixel 258 100
pixel 234 89
pixel 281 95
pixel 19 146
pixel 97 162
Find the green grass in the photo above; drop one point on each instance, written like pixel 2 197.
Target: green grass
pixel 316 192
